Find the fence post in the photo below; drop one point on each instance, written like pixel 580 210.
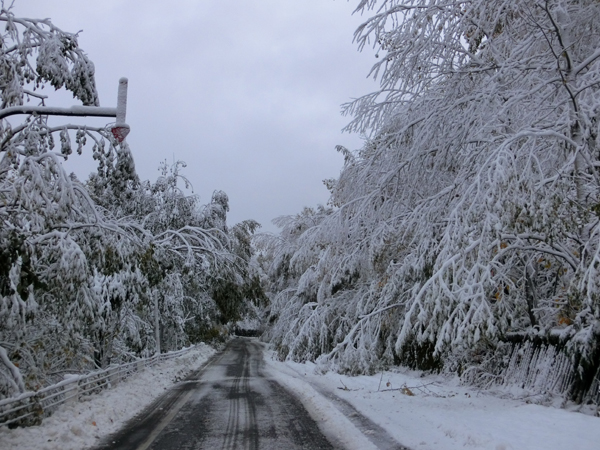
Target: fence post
pixel 113 377
pixel 71 390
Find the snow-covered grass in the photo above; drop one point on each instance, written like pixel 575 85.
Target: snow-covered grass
pixel 434 412
pixel 81 425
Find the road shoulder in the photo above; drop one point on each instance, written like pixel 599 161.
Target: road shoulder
pixel 426 411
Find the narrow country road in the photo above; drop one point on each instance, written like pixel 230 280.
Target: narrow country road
pixel 228 405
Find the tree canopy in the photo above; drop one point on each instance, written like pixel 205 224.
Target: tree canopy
pixel 471 213
pixel 102 271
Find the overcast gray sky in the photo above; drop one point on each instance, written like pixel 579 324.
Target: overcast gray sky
pixel 246 92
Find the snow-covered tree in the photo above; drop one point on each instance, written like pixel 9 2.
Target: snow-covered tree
pixel 471 211
pixel 42 209
pixel 93 274
pixel 184 251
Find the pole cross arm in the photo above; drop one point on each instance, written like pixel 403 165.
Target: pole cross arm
pixel 120 130
pixel 81 111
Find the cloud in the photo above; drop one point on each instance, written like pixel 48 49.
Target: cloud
pixel 247 93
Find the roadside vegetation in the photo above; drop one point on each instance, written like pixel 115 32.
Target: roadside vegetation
pixel 467 226
pixel 106 270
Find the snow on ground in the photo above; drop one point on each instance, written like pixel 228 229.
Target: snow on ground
pixel 440 414
pixel 81 425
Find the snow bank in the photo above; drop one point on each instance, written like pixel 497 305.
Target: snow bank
pixel 83 424
pixel 436 413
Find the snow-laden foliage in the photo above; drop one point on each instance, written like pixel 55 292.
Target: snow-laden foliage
pixel 35 52
pixel 47 218
pixel 97 273
pixel 472 211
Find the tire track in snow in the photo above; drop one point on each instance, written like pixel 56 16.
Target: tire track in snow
pixel 231 406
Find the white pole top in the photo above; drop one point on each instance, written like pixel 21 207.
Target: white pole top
pixel 122 101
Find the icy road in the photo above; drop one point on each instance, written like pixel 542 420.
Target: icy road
pixel 230 404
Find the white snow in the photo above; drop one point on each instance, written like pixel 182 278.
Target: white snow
pixel 81 425
pixel 441 414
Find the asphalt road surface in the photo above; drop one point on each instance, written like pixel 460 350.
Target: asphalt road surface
pixel 228 405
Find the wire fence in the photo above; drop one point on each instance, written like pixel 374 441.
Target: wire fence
pixel 29 408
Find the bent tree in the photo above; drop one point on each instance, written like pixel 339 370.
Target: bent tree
pixel 41 207
pixel 99 272
pixel 471 213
